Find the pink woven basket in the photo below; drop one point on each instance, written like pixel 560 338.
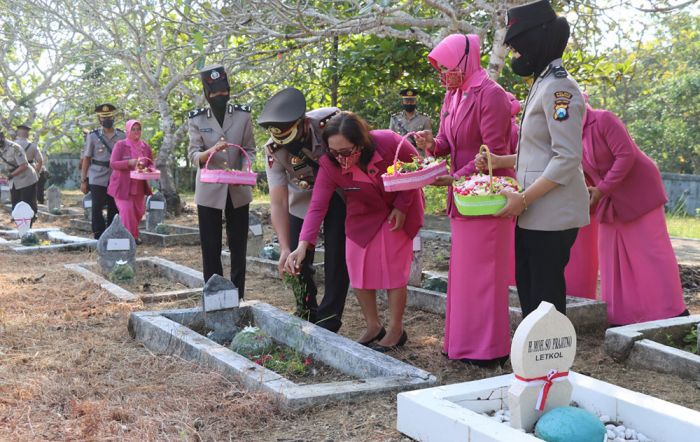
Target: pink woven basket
pixel 241 177
pixel 397 182
pixel 149 174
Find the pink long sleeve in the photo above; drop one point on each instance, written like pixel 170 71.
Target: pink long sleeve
pixel 623 150
pixel 324 187
pixel 118 152
pixel 404 199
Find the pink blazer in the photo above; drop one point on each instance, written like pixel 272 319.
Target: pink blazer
pixel 630 181
pixel 368 204
pixel 120 181
pixel 483 117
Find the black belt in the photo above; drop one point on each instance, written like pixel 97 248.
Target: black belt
pixel 100 163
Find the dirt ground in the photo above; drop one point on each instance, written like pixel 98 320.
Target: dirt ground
pixel 70 371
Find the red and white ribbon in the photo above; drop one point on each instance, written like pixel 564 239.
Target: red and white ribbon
pixel 22 221
pixel 546 382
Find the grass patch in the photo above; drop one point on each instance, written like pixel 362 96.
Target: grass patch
pixel 683 226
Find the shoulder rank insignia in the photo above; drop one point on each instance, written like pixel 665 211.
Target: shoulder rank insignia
pixel 270 161
pixel 94 131
pixel 196 112
pixel 119 130
pixel 322 123
pixel 559 72
pixel 241 107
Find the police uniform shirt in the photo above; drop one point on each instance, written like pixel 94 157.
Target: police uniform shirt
pixel 99 173
pixel 402 125
pixel 31 150
pixel 551 146
pixel 13 156
pixel 298 173
pixel 204 132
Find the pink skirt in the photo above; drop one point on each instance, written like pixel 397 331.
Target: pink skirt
pixel 477 323
pixel 582 271
pixel 385 263
pixel 639 277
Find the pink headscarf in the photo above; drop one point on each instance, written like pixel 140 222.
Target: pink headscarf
pixel 450 54
pixel 514 104
pixel 133 139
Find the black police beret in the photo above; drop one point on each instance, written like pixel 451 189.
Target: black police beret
pixel 214 79
pixel 525 17
pixel 283 109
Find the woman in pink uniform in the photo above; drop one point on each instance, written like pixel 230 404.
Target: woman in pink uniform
pixel 475 111
pixel 380 226
pixel 129 194
pixel 639 277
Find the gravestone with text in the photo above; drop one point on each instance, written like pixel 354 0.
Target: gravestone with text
pixel 22 215
pixel 87 206
pixel 255 237
pixel 53 199
pixel 415 278
pixel 219 293
pixel 5 193
pixel 155 207
pixel 116 244
pixel 542 352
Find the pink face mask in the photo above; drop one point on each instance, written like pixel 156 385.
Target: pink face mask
pixel 347 162
pixel 452 78
pixel 133 135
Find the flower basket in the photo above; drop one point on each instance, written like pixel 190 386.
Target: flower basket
pixel 220 176
pixel 396 181
pixel 470 203
pixel 147 173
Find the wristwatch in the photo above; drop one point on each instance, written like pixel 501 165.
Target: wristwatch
pixel 84 180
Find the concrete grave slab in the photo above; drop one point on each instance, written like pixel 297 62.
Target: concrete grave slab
pixel 640 345
pixel 115 244
pixel 176 236
pixel 452 413
pixel 60 241
pixel 186 276
pixel 168 332
pixel 268 267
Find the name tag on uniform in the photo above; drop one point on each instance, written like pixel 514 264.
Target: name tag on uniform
pixel 206 129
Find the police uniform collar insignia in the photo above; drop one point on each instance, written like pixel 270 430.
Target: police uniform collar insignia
pixel 560 72
pixel 196 112
pixel 241 107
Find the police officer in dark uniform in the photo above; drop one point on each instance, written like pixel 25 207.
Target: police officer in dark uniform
pixel 95 170
pixel 210 130
pixel 409 120
pixel 292 163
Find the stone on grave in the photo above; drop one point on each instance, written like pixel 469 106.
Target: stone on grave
pixel 251 341
pixel 219 293
pixel 271 251
pixel 116 244
pixel 5 193
pixel 255 237
pixel 155 207
pixel 542 351
pixel 87 207
pixel 570 424
pixel 53 199
pixel 22 215
pixel 415 278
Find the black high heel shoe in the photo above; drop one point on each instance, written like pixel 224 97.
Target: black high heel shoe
pixel 383 349
pixel 379 336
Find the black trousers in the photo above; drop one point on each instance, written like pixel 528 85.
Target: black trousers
pixel 330 312
pixel 26 194
pixel 540 260
pixel 40 188
pixel 100 199
pixel 210 231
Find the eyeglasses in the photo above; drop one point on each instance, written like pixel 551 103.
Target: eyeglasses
pixel 136 128
pixel 342 152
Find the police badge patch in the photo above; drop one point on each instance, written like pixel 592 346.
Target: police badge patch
pixel 561 105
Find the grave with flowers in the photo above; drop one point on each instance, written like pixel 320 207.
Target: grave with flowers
pixel 542 400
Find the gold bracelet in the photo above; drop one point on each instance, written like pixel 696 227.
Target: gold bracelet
pixel 524 201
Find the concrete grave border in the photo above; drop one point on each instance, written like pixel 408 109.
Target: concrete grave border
pixel 453 412
pixel 636 345
pixel 66 212
pixel 184 236
pixel 166 332
pixel 67 242
pixel 191 278
pixel 268 267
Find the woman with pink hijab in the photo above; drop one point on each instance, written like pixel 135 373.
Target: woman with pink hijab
pixel 639 277
pixel 475 111
pixel 128 193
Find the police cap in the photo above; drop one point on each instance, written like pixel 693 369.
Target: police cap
pixel 408 93
pixel 24 126
pixel 525 17
pixel 105 110
pixel 283 110
pixel 214 79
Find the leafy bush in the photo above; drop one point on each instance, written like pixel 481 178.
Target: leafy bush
pixel 30 239
pixel 121 272
pixel 251 342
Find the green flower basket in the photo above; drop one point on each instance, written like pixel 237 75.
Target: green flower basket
pixel 480 205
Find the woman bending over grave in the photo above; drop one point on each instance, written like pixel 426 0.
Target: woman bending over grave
pixel 129 194
pixel 639 278
pixel 379 225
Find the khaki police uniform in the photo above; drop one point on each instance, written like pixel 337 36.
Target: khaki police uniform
pixel 402 124
pixel 215 200
pixel 298 173
pixel 98 147
pixel 34 155
pixel 23 185
pixel 550 146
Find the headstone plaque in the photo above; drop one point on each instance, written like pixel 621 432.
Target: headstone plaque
pixel 542 351
pixel 22 215
pixel 116 244
pixel 415 278
pixel 255 238
pixel 53 199
pixel 219 293
pixel 87 206
pixel 155 207
pixel 5 193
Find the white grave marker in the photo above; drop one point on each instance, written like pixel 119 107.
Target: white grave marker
pixel 542 352
pixel 114 244
pixel 219 293
pixel 415 277
pixel 22 214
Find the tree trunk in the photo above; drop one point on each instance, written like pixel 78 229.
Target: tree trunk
pixel 335 80
pixel 164 159
pixel 498 50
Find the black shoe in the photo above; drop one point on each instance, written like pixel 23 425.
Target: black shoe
pixel 685 313
pixel 138 241
pixel 383 349
pixel 379 336
pixel 486 363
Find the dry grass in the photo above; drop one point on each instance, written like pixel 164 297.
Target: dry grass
pixel 70 371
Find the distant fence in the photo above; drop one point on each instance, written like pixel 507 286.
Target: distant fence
pixel 683 192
